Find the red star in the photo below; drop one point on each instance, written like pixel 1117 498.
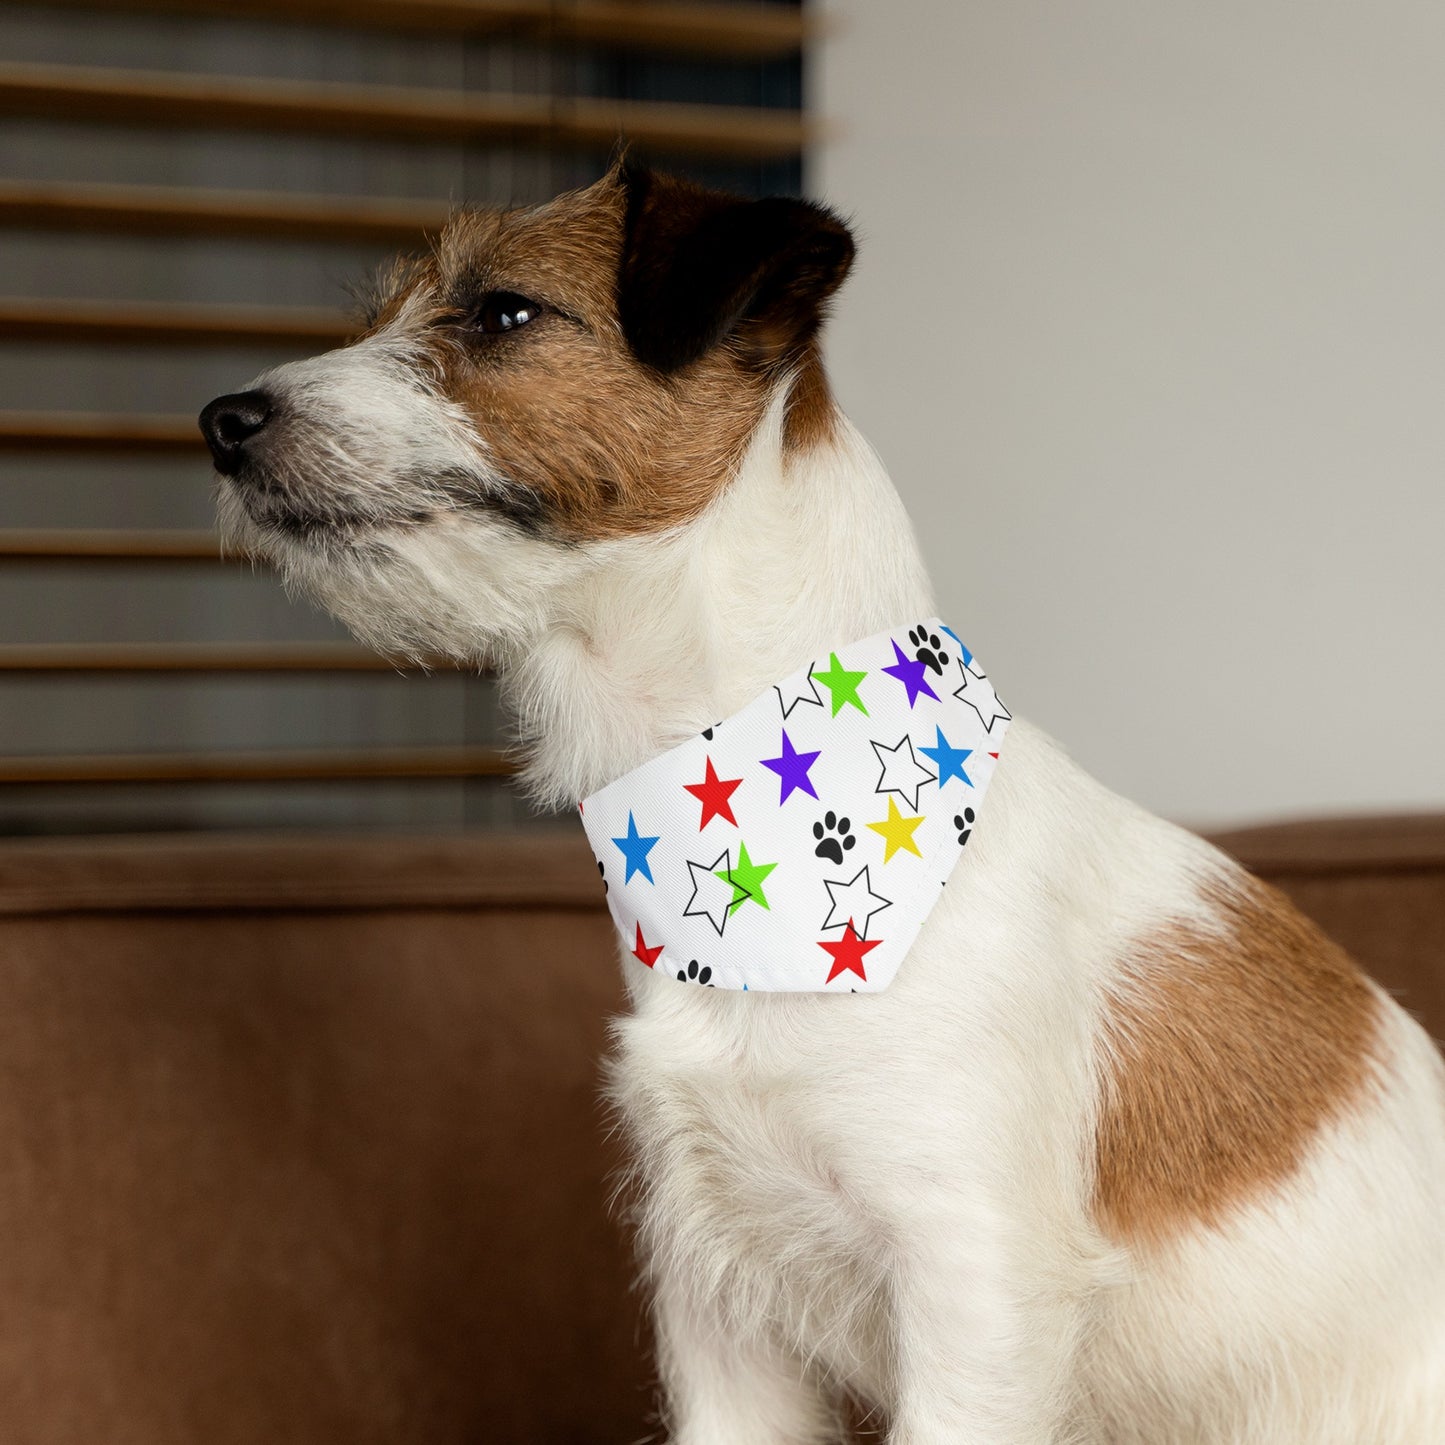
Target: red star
pixel 642 952
pixel 714 792
pixel 848 954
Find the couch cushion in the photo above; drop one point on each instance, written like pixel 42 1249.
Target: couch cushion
pixel 1376 885
pixel 301 1141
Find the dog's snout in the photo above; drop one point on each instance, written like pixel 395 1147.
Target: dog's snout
pixel 229 422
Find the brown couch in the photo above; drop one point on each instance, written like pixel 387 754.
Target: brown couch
pixel 300 1138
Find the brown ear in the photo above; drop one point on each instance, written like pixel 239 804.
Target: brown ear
pixel 699 266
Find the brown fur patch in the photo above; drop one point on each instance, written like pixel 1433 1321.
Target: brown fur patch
pixel 1225 1055
pixel 812 415
pixel 606 446
pixel 595 442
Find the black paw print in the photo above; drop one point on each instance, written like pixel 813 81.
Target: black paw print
pixel 833 848
pixel 696 975
pixel 602 872
pixel 930 648
pixel 964 825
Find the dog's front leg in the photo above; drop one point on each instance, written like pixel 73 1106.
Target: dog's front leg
pixel 721 1387
pixel 984 1354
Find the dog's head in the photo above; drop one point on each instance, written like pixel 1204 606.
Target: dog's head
pixel 570 376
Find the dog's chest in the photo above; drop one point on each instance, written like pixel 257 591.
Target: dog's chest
pixel 746 1182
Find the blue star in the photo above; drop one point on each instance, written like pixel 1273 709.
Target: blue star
pixel 792 767
pixel 948 759
pixel 967 655
pixel 635 849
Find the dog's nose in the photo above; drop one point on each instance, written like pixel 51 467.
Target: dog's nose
pixel 229 422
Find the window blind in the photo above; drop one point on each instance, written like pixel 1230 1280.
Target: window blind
pixel 186 189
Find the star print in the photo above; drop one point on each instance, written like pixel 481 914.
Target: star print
pixel 902 772
pixel 970 670
pixel 747 880
pixel 848 954
pixel 792 767
pixel 713 792
pixel 965 656
pixel 841 684
pixel 976 692
pixel 643 953
pixel 912 674
pixel 897 832
pixel 851 900
pixel 947 759
pixel 635 849
pixel 790 695
pixel 712 895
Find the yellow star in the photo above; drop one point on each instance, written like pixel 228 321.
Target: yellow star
pixel 897 832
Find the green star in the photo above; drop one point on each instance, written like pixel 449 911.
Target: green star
pixel 842 684
pixel 747 880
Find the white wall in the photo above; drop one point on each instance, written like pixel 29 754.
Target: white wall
pixel 1149 324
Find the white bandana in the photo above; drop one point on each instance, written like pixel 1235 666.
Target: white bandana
pixel 800 844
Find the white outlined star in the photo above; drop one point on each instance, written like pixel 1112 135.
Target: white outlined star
pixel 852 900
pixel 968 666
pixel 902 772
pixel 717 895
pixel 978 693
pixel 805 690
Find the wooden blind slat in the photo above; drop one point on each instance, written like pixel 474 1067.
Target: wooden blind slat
pixel 205 102
pixel 158 323
pixel 169 210
pixel 83 431
pixel 258 767
pixel 715 29
pixel 719 29
pixel 73 544
pixel 156 98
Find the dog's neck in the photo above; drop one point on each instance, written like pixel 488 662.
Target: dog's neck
pixel 659 637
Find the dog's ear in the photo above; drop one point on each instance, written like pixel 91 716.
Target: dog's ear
pixel 698 266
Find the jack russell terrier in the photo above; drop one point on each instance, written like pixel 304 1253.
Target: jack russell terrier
pixel 1126 1152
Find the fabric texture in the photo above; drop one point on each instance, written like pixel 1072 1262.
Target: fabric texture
pixel 800 844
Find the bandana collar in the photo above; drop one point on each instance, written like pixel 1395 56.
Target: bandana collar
pixel 799 845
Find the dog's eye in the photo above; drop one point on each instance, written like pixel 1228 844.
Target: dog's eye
pixel 504 311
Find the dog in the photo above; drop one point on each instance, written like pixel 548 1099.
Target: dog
pixel 1128 1152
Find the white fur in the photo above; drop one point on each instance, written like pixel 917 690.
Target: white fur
pixel 889 1195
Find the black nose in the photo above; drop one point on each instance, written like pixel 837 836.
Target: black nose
pixel 229 422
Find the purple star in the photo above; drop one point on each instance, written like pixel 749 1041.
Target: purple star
pixel 792 767
pixel 911 675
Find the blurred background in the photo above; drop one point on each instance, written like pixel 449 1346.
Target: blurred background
pixel 187 191
pixel 1147 323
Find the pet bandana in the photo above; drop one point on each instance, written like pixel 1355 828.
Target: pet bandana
pixel 800 844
